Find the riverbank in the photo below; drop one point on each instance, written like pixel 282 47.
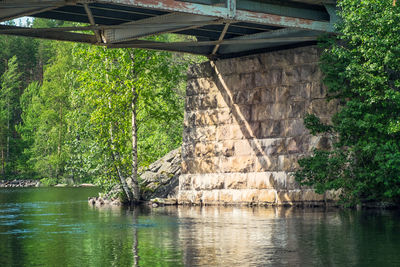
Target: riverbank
pixel 35 183
pixel 19 183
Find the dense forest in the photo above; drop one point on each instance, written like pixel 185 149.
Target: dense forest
pixel 67 110
pixel 362 71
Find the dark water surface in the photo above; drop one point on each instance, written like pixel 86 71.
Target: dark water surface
pixel 56 227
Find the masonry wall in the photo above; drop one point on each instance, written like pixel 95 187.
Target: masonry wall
pixel 244 128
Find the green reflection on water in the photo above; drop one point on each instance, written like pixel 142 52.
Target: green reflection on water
pixel 56 227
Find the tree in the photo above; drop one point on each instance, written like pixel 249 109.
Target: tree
pixel 8 105
pixel 128 91
pixel 362 70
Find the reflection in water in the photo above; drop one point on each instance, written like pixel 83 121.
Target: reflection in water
pixel 56 227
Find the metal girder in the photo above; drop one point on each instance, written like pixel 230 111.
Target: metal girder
pixel 51 35
pixel 284 35
pixel 92 22
pixel 158 45
pixel 226 13
pixel 17 8
pixel 171 22
pixel 203 50
pixel 221 38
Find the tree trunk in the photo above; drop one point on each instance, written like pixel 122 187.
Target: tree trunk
pixel 135 183
pixel 8 131
pixel 2 162
pixel 116 159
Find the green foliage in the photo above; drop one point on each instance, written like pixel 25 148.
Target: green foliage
pixel 48 181
pixel 362 71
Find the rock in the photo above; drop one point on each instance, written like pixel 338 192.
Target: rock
pixel 163 202
pixel 60 185
pixel 86 185
pixel 161 179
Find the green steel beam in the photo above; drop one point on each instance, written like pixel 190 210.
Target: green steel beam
pixel 226 13
pixel 295 35
pixel 51 35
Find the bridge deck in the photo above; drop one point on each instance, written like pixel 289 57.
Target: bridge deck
pixel 222 28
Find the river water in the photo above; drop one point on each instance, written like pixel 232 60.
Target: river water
pixel 56 227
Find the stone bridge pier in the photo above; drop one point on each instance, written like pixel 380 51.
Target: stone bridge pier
pixel 244 131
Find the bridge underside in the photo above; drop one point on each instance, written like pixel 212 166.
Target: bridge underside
pixel 222 28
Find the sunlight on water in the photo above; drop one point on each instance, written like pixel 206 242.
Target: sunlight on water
pixel 56 227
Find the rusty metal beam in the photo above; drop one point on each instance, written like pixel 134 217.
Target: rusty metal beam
pixel 226 13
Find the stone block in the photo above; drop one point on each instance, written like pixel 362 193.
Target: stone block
pixel 237 164
pixel 282 94
pixel 229 132
pixel 237 82
pixel 235 180
pixel 247 97
pixel 200 70
pixel 261 112
pixel 223 100
pixel 272 59
pixel 300 91
pixel 249 130
pixel 192 103
pixel 208 101
pixel 298 144
pixel 290 76
pixel 265 163
pixel 288 162
pixel 227 149
pixel 210 197
pixel 291 182
pixel 294 127
pixel 224 116
pixel 323 108
pixel 243 148
pixel 241 113
pixel 289 197
pixel 318 90
pixel 279 111
pixel 267 180
pixel 332 195
pixel 208 165
pixel 226 196
pixel 207 182
pixel 270 146
pixel 308 72
pixel 267 196
pixel 309 195
pixel 206 117
pixel 250 64
pixel 261 79
pixel 320 142
pixel 267 95
pixel 226 67
pixel 185 182
pixel 271 128
pixel 204 134
pixel 200 86
pixel 306 55
pixel 204 149
pixel 296 109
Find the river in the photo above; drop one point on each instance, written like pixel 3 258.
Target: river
pixel 57 227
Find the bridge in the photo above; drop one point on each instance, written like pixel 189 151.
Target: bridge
pixel 217 28
pixel 244 113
